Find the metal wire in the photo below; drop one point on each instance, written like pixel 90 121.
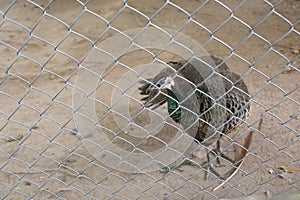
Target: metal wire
pixel 72 124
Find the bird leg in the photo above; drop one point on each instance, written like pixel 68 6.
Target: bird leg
pixel 218 152
pixel 209 167
pixel 167 169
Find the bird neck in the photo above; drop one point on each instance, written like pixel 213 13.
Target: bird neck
pixel 173 106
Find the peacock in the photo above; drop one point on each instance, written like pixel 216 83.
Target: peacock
pixel 202 95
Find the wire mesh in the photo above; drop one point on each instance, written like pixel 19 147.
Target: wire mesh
pixel 72 123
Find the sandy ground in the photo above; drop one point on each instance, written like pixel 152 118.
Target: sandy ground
pixel 40 55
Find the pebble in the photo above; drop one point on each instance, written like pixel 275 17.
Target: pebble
pixel 74 131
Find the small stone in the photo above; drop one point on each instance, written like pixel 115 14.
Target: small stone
pixel 268 194
pixel 27 183
pixel 271 171
pixel 62 178
pixel 74 131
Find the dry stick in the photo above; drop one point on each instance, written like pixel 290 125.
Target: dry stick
pixel 47 170
pixel 240 160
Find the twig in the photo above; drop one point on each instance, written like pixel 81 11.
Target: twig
pixel 64 170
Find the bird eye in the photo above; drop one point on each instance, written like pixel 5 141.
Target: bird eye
pixel 161 82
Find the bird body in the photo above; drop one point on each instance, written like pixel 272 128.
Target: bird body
pixel 203 95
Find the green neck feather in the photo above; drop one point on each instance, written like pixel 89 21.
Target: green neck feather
pixel 173 107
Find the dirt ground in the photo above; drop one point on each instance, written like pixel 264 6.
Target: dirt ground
pixel 46 47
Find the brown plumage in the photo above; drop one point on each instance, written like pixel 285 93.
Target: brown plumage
pixel 203 95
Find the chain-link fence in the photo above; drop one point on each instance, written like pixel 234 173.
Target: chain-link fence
pixel 72 122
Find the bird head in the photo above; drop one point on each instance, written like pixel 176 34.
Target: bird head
pixel 157 88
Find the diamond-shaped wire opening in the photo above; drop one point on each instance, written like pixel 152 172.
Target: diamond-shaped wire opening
pixel 17 35
pixel 234 28
pixel 6 61
pixel 171 16
pixel 207 11
pixel 27 19
pixel 278 24
pixel 37 50
pixel 260 6
pixel 93 29
pixel 106 9
pixel 25 69
pixel 70 44
pixel 53 35
pixel 132 19
pixel 58 9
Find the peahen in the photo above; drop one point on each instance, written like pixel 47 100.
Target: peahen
pixel 202 95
